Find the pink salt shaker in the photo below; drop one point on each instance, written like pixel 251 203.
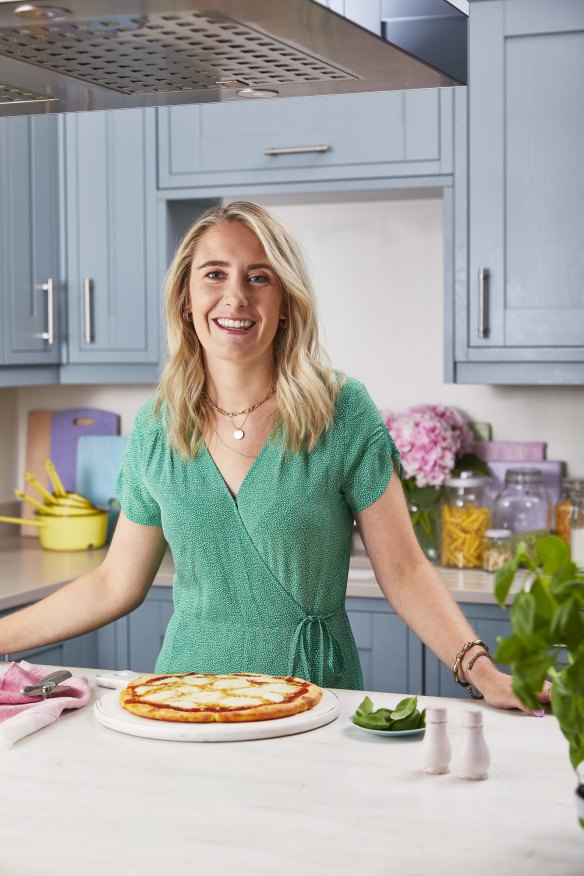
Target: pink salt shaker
pixel 436 750
pixel 474 755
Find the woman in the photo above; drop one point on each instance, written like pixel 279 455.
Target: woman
pixel 251 464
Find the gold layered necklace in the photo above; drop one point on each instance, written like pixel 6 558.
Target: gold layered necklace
pixel 238 432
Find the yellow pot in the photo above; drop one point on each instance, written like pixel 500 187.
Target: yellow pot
pixel 68 533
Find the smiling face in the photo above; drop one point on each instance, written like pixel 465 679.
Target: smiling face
pixel 235 297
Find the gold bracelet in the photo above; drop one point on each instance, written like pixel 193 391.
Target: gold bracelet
pixel 456 667
pixel 475 657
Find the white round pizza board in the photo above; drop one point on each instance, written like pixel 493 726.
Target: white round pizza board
pixel 110 713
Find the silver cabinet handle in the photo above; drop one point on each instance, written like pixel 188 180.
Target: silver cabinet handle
pixel 483 302
pixel 87 302
pixel 295 150
pixel 49 288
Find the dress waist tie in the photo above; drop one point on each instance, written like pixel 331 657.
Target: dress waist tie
pixel 315 653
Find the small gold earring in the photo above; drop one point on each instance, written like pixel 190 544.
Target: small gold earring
pixel 187 315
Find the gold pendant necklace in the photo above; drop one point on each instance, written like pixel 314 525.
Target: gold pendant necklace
pixel 238 432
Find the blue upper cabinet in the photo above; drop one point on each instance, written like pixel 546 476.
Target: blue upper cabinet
pixel 519 309
pixel 112 278
pixel 303 142
pixel 29 242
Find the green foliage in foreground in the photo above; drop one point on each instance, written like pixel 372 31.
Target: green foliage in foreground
pixel 547 639
pixel 405 716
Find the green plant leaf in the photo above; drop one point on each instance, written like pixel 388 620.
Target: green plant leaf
pixel 522 614
pixel 552 552
pixel 525 693
pixel 567 627
pixel 574 678
pixel 470 462
pixel 509 650
pixel 545 604
pixel 365 707
pixel 504 580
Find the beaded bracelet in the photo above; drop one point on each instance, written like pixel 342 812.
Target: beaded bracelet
pixel 456 668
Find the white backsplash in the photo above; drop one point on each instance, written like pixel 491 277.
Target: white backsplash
pixel 376 261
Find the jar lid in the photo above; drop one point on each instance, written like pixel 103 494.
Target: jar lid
pixel 524 476
pixel 436 715
pixel 472 717
pixel 466 479
pixel 497 533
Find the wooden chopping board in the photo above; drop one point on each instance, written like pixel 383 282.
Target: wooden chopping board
pixel 38 446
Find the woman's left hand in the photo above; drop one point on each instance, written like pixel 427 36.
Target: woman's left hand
pixel 496 687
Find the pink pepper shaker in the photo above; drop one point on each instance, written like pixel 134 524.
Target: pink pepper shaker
pixel 474 756
pixel 436 750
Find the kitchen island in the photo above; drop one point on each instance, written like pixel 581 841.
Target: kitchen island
pixel 83 799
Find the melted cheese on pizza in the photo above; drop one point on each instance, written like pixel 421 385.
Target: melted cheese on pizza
pixel 195 691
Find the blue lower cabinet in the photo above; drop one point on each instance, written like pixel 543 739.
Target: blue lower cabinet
pixel 490 623
pixel 391 655
pixel 146 629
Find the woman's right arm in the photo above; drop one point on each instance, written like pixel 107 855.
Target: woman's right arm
pixel 103 595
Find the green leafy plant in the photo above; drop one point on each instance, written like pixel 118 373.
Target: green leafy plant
pixel 405 716
pixel 547 639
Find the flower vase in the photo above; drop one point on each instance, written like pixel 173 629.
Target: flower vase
pixel 424 507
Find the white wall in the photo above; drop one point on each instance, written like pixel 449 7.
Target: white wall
pixel 376 261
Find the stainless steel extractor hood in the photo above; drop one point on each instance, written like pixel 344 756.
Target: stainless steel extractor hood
pixel 111 54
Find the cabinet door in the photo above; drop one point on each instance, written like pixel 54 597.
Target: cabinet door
pixel 111 223
pixel 325 138
pixel 146 629
pixel 490 623
pixel 390 654
pixel 526 181
pixel 29 241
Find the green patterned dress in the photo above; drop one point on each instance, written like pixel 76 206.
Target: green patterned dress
pixel 261 579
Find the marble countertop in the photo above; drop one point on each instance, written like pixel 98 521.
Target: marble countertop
pixel 28 573
pixel 335 801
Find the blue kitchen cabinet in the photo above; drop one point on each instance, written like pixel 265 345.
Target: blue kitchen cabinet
pixel 515 260
pixel 490 623
pixel 110 219
pixel 30 290
pixel 391 655
pixel 224 148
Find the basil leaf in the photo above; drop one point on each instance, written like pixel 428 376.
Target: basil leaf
pixel 405 708
pixel 372 722
pixel 365 708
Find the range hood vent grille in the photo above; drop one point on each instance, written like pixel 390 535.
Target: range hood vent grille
pixel 165 53
pixel 10 94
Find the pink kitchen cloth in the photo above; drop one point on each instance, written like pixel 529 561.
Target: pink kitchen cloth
pixel 21 715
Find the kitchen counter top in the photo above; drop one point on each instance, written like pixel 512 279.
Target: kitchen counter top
pixel 28 573
pixel 336 800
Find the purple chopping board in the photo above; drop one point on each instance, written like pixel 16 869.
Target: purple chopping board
pixel 67 427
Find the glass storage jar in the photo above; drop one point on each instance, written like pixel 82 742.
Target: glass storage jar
pixel 498 549
pixel 577 526
pixel 464 520
pixel 524 506
pixel 570 487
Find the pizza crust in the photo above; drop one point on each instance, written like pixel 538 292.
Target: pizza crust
pixel 196 697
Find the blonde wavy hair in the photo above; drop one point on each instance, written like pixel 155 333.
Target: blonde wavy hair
pixel 306 386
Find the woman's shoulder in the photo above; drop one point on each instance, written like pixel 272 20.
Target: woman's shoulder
pixel 353 399
pixel 148 423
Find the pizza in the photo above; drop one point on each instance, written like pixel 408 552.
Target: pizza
pixel 200 697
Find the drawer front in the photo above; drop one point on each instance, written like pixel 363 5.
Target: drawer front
pixel 341 136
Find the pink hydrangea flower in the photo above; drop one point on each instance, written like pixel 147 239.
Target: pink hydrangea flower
pixel 429 437
pixel 453 419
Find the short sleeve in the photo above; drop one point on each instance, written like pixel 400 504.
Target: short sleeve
pixel 369 450
pixel 138 503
